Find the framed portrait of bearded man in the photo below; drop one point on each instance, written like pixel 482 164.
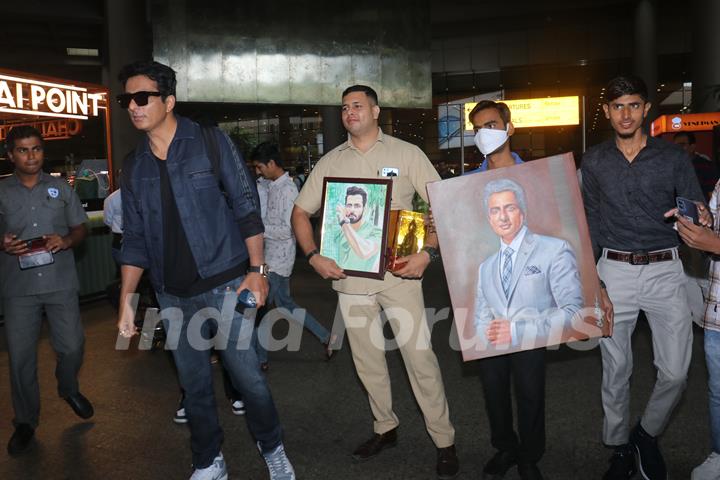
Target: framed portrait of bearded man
pixel 355 217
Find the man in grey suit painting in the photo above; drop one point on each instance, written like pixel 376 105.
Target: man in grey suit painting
pixel 527 293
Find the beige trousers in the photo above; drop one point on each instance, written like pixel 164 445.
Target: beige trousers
pixel 659 290
pixel 404 309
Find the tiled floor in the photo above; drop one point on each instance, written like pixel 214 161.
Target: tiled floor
pixel 323 409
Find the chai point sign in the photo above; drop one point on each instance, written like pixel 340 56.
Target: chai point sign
pixel 538 112
pixel 35 97
pixel 54 129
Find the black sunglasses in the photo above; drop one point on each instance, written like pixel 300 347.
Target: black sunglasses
pixel 141 98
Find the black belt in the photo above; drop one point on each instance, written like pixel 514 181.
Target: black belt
pixel 641 258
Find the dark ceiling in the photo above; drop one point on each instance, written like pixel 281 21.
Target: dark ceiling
pixel 35 36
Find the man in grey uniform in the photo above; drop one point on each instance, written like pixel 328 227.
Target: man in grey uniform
pixel 35 205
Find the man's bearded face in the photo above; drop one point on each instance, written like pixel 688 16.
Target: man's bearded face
pixel 354 208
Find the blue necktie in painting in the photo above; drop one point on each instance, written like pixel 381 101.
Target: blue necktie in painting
pixel 507 269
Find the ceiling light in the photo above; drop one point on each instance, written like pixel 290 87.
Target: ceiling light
pixel 83 52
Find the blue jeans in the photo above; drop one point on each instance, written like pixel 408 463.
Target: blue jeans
pixel 196 325
pixel 279 295
pixel 712 359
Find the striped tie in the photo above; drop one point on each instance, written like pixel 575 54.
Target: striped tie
pixel 507 270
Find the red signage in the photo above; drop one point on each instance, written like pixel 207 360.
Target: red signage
pixel 689 122
pixel 60 129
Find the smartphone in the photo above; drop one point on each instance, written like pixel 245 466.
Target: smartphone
pixel 245 299
pixel 38 254
pixel 688 209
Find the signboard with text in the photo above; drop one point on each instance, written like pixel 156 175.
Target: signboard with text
pixel 58 129
pixel 27 96
pixel 539 112
pixel 688 122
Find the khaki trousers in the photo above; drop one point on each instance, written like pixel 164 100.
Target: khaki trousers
pixel 404 309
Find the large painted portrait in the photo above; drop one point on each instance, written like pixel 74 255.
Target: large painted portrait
pixel 355 224
pixel 518 258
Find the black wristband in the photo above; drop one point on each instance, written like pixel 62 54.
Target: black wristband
pixel 432 252
pixel 311 253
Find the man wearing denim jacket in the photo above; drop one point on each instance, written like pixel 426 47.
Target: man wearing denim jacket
pixel 202 241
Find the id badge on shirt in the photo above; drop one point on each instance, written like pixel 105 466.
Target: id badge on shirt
pixel 389 172
pixel 38 255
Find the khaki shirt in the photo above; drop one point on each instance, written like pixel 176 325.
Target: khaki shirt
pixel 414 172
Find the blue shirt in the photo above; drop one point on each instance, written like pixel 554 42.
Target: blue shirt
pixel 484 166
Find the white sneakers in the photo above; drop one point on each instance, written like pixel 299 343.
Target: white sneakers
pixel 216 471
pixel 180 416
pixel 238 407
pixel 708 470
pixel 278 464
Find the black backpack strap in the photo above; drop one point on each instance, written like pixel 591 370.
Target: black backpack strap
pixel 211 147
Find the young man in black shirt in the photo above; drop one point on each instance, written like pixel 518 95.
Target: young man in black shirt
pixel 629 184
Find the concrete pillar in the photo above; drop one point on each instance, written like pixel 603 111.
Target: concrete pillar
pixel 645 51
pixel 705 55
pixel 386 120
pixel 332 128
pixel 128 39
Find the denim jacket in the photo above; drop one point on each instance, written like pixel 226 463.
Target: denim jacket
pixel 215 224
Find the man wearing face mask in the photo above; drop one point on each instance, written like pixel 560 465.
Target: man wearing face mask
pixel 493 129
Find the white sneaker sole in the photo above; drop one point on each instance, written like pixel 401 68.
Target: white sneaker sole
pixel 640 465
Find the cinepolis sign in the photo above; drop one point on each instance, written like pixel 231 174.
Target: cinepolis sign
pixel 48 99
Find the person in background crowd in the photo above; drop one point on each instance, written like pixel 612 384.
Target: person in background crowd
pixel 708 240
pixel 705 168
pixel 280 193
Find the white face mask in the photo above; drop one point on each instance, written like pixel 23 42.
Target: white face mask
pixel 490 139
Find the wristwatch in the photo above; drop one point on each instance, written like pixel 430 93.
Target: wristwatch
pixel 433 252
pixel 261 269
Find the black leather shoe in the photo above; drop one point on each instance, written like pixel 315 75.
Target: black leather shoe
pixel 622 464
pixel 529 471
pixel 650 459
pixel 80 405
pixel 375 445
pixel 448 465
pixel 500 463
pixel 20 440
